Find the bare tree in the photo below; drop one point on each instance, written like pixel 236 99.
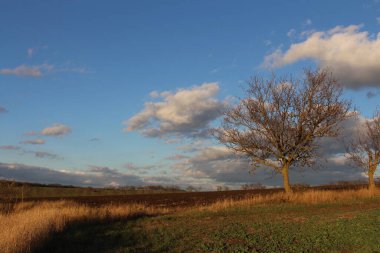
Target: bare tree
pixel 364 152
pixel 279 121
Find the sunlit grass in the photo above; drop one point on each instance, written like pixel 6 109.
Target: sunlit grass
pixel 306 197
pixel 27 227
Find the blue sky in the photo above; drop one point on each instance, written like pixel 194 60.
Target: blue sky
pixel 89 66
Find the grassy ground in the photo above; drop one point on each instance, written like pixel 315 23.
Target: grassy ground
pixel 341 226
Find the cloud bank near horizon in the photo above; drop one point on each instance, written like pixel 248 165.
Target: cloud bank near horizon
pixel 95 176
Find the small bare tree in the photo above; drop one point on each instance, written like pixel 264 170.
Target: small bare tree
pixel 278 123
pixel 364 151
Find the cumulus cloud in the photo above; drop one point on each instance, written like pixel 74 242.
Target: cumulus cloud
pixel 25 70
pixel 3 110
pixel 184 113
pixel 95 177
pixel 351 54
pixel 34 142
pixel 56 130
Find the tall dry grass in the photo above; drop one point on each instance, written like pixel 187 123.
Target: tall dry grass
pixel 30 224
pixel 305 197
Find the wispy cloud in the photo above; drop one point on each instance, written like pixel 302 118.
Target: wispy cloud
pixel 3 110
pixel 43 154
pixel 56 130
pixel 26 70
pixel 144 169
pixel 307 22
pixel 31 133
pixel 38 154
pixel 267 42
pixel 9 147
pixel 41 70
pixel 30 52
pixel 34 142
pixel 291 33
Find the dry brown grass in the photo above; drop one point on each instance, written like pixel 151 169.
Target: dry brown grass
pixel 306 197
pixel 30 224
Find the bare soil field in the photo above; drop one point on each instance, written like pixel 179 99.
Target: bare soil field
pixel 181 199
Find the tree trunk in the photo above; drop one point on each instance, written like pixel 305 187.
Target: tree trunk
pixel 285 178
pixel 371 181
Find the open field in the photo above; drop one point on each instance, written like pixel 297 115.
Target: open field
pixel 154 196
pixel 25 191
pixel 308 221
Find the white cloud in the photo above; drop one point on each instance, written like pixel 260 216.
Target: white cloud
pixel 186 112
pixel 56 130
pixel 352 55
pixel 25 70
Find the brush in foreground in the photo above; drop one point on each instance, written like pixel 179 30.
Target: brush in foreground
pixel 30 224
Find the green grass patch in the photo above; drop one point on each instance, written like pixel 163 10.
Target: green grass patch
pixel 339 227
